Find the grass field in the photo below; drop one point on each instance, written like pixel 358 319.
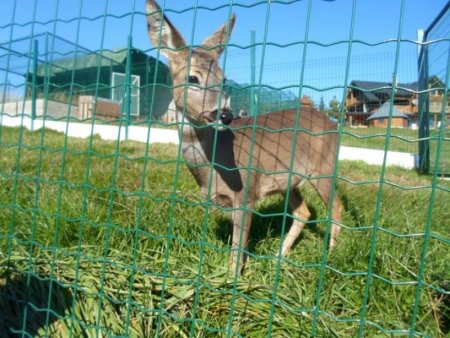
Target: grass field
pixel 106 239
pixel 404 140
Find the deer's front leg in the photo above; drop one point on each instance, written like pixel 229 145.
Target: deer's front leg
pixel 241 229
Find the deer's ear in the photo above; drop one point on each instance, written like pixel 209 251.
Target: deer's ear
pixel 162 32
pixel 217 42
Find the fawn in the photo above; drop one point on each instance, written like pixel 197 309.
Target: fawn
pixel 250 157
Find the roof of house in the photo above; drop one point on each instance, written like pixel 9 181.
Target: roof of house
pixel 372 89
pixel 88 60
pixel 433 82
pixel 384 111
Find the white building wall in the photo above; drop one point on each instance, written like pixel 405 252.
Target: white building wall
pixel 157 135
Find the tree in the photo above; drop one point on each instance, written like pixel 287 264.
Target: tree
pixel 321 104
pixel 334 107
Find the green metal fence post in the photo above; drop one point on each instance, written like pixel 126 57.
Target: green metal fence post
pixel 128 86
pixel 34 82
pixel 47 60
pixel 424 105
pixel 252 73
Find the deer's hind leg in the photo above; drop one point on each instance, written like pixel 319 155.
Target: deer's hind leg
pixel 336 217
pixel 241 229
pixel 301 214
pixel 323 188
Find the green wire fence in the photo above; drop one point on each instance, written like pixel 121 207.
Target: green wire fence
pixel 108 236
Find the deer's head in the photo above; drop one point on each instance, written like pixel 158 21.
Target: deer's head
pixel 197 76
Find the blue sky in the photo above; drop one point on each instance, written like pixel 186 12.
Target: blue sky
pixel 282 23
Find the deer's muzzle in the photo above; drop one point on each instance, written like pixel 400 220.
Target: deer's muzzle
pixel 224 117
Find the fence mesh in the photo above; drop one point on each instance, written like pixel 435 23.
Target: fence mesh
pixel 106 236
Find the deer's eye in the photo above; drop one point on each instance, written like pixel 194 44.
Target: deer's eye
pixel 193 79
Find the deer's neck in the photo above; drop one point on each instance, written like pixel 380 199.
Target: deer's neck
pixel 205 146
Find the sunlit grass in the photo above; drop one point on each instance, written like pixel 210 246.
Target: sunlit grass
pixel 104 238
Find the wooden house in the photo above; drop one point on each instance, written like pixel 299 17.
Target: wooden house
pixel 366 97
pixel 380 118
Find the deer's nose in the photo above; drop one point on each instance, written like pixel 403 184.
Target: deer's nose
pixel 226 117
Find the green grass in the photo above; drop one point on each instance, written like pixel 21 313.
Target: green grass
pixel 443 166
pixel 99 238
pixel 403 140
